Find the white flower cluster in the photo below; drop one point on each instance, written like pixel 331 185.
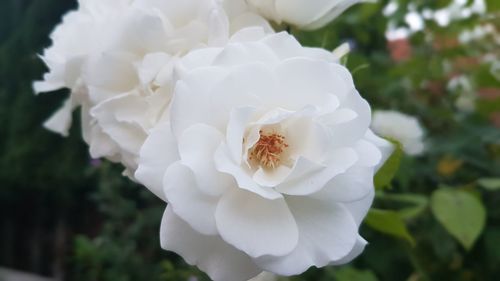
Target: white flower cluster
pixel 119 59
pixel 261 147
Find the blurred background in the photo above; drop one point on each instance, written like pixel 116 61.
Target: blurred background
pixel 65 216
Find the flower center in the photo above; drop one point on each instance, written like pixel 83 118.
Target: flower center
pixel 268 150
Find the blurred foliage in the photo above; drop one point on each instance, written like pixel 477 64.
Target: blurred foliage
pixel 42 175
pixel 437 219
pixel 446 200
pixel 127 247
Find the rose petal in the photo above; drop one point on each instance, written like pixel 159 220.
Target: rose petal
pixel 218 28
pixel 194 87
pixel 308 81
pixel 308 177
pixel 238 121
pixel 157 153
pixel 327 233
pixel 122 118
pixel 60 121
pixel 248 34
pixel 47 85
pixel 369 155
pixel 211 254
pixel 197 146
pixel 352 185
pixel 256 225
pixel 179 13
pixel 249 20
pixel 271 178
pixel 355 252
pixel 352 129
pixel 151 65
pixel 141 31
pixel 240 88
pixel 188 201
pixel 307 138
pixel 111 71
pixel 385 147
pixel 331 14
pixel 301 12
pixel 283 45
pixel 241 54
pixel 359 208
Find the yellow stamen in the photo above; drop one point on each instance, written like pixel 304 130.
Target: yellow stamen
pixel 268 150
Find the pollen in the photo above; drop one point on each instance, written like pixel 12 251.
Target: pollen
pixel 268 150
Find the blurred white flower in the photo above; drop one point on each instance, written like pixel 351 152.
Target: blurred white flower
pixel 461 85
pixel 495 66
pixel 400 127
pixel 466 102
pixel 118 58
pixel 306 14
pixel 477 33
pixel 266 162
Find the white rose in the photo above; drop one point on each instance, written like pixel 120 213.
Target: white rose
pixel 267 161
pixel 462 86
pixel 118 59
pixel 401 127
pixel 306 14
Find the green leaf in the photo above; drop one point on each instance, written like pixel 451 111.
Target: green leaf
pixel 461 213
pixel 416 204
pixel 490 184
pixel 487 107
pixel 349 273
pixel 389 222
pixel 492 246
pixel 385 174
pixel 492 5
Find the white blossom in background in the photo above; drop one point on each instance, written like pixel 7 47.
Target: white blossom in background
pixel 462 86
pixel 118 59
pixel 495 65
pixel 266 160
pixel 305 14
pixel 477 33
pixel 401 127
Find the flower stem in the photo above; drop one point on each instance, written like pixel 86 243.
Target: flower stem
pixel 412 256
